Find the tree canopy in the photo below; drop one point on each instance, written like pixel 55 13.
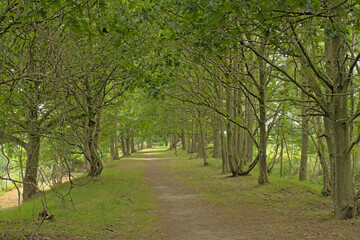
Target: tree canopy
pixel 250 82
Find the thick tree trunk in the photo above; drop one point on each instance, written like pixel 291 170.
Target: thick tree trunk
pixel 132 143
pixel 32 164
pixel 128 145
pixel 183 141
pixel 123 147
pixel 344 190
pixel 91 140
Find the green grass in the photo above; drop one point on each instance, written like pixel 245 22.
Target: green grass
pixel 232 192
pixel 115 205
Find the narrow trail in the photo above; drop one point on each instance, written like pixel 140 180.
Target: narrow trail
pixel 187 215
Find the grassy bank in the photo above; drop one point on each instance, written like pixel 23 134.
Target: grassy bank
pixel 222 188
pixel 115 205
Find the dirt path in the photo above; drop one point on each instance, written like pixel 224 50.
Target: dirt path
pixel 187 215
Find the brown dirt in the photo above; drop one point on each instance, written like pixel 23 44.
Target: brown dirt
pixel 185 214
pixel 9 199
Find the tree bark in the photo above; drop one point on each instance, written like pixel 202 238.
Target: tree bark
pixel 216 134
pixel 344 190
pixel 304 139
pixel 91 141
pixel 123 147
pixel 32 164
pixel 112 149
pixel 262 121
pixel 183 141
pixel 116 147
pixel 248 140
pixel 132 144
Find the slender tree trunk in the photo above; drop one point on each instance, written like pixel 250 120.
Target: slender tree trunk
pixel 281 157
pixel 229 133
pixel 189 144
pixel 174 143
pixel 195 142
pixel 321 153
pixel 216 133
pixel 86 165
pixel 262 121
pixel 248 140
pixel 304 140
pixel 116 147
pixel 225 162
pixel 202 140
pixel 112 149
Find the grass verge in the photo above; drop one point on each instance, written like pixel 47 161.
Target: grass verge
pixel 222 188
pixel 115 205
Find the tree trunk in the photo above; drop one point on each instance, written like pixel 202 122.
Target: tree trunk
pixel 183 141
pixel 174 143
pixel 229 133
pixel 281 157
pixel 132 143
pixel 123 147
pixel 128 145
pixel 344 190
pixel 112 149
pixel 195 142
pixel 116 147
pixel 304 140
pixel 32 164
pixel 248 140
pixel 326 191
pixel 262 121
pixel 202 140
pixel 91 141
pixel 225 162
pixel 216 133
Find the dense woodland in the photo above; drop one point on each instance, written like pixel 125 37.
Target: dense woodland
pixel 271 84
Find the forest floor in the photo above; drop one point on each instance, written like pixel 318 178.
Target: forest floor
pixel 155 195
